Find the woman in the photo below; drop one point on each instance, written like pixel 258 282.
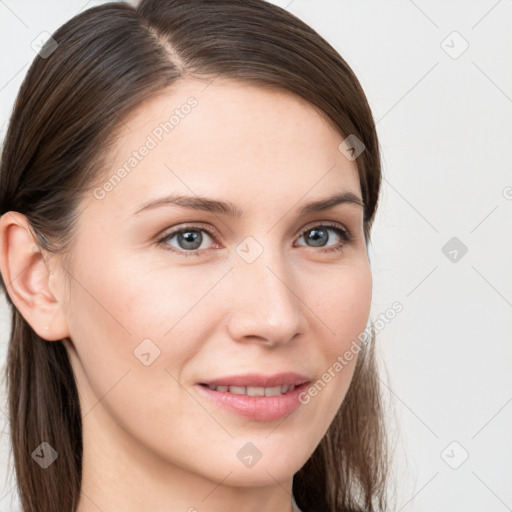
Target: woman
pixel 187 192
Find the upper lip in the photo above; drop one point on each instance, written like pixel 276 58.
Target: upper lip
pixel 259 380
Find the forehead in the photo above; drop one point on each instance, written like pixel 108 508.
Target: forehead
pixel 230 140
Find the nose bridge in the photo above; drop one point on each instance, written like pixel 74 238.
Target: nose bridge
pixel 268 306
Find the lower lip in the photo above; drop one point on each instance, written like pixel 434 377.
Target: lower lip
pixel 258 408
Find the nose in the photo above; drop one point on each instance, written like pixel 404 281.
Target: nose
pixel 266 305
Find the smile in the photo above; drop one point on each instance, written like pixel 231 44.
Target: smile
pixel 254 390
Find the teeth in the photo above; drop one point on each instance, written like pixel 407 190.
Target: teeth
pixel 276 390
pixel 253 390
pixel 220 388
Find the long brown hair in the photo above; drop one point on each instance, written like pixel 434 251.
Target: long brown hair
pixel 109 60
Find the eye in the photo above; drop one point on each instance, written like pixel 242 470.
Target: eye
pixel 319 235
pixel 188 238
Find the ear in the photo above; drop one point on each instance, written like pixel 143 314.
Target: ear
pixel 31 284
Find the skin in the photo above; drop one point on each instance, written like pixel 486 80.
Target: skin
pixel 151 441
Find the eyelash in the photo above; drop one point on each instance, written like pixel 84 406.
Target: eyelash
pixel 344 234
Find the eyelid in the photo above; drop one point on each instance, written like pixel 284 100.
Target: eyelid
pixel 326 224
pixel 187 226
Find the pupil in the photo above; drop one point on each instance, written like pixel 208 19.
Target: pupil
pixel 315 239
pixel 192 239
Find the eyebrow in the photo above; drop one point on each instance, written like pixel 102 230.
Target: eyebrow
pixel 230 209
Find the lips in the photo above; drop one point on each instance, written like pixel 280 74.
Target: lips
pixel 259 380
pixel 256 408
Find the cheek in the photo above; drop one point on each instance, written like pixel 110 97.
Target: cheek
pixel 128 316
pixel 343 305
pixel 119 352
pixel 343 308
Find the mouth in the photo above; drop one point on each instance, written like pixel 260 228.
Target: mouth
pixel 258 403
pixel 255 381
pixel 253 390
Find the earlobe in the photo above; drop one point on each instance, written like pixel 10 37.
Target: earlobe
pixel 26 275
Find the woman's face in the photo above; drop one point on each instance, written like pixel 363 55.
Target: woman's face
pixel 152 314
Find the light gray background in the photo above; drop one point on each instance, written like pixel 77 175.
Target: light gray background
pixel 445 128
